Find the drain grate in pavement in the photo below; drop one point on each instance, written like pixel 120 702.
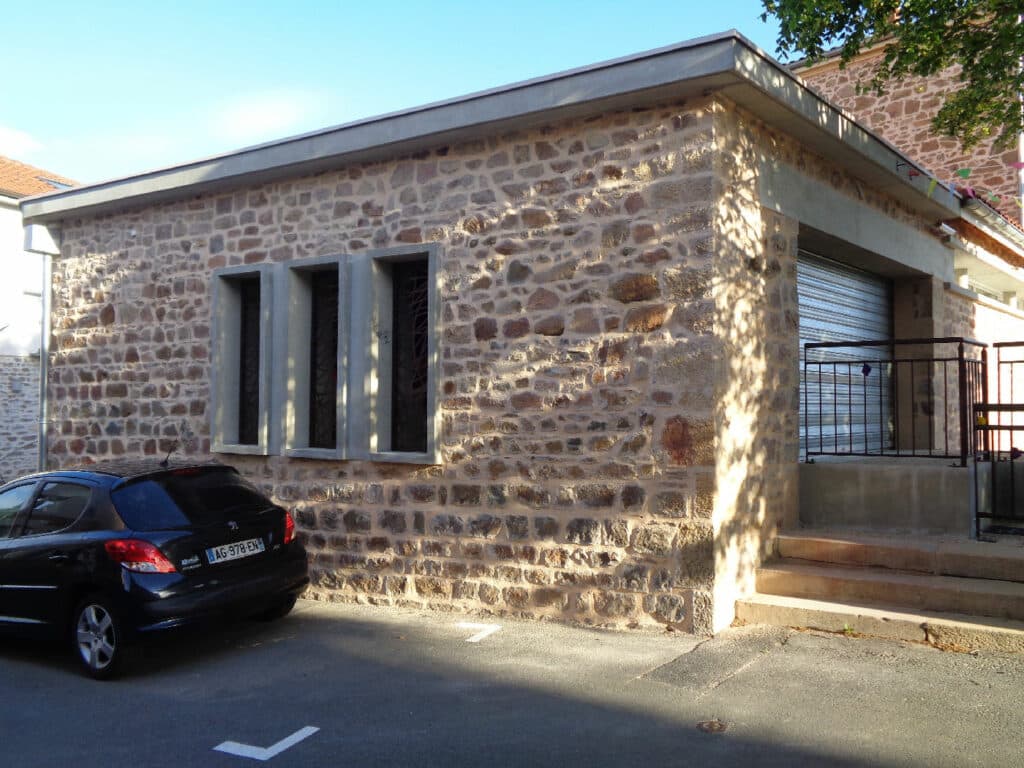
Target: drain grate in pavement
pixel 712 726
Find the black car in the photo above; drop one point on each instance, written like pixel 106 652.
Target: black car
pixel 115 552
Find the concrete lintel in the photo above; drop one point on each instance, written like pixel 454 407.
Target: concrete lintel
pixel 40 238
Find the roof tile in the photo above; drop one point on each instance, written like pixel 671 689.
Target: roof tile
pixel 21 180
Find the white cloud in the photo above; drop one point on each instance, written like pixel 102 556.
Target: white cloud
pixel 17 144
pixel 264 116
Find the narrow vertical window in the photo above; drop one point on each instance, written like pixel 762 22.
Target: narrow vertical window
pixel 240 356
pixel 323 361
pixel 314 374
pixel 409 361
pixel 249 361
pixel 397 378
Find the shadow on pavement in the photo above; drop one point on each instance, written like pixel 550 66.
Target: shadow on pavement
pixel 382 693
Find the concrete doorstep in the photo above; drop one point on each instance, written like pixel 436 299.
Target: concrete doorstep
pixel 941 556
pixel 948 632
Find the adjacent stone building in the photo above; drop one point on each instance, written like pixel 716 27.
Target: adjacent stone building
pixel 532 352
pixel 903 117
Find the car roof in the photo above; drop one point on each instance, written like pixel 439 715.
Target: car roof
pixel 126 469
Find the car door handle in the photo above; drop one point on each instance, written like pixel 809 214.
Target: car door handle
pixel 59 557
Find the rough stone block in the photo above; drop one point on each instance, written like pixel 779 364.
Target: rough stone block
pixel 545 527
pixel 518 526
pixel 450 525
pixel 654 539
pixel 615 604
pixel 356 522
pixel 392 520
pixel 485 526
pixel 634 287
pixel 616 533
pixel 582 531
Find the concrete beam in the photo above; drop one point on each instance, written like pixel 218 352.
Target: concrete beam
pixel 40 238
pixel 726 62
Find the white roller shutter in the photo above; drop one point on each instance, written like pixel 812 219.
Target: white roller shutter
pixel 845 403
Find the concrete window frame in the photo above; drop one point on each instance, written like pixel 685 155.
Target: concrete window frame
pixel 224 373
pixel 299 285
pixel 370 373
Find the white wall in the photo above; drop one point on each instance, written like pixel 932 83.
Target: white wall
pixel 19 272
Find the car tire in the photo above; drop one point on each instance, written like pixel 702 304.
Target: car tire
pixel 96 637
pixel 281 608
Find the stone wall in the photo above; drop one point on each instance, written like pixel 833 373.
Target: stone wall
pixel 619 375
pixel 19 415
pixel 578 347
pixel 903 118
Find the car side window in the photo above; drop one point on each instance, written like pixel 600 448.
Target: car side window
pixel 12 501
pixel 57 506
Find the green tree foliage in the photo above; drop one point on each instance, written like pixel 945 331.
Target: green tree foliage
pixel 923 37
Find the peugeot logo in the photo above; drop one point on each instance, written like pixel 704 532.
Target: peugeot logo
pixel 232 525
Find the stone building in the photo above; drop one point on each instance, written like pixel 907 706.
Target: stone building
pixel 534 351
pixel 20 318
pixel 903 117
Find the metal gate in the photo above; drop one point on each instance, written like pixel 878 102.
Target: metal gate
pixel 999 447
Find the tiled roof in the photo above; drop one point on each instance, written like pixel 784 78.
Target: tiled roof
pixel 21 180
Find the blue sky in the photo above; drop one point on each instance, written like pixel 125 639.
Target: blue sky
pixel 106 89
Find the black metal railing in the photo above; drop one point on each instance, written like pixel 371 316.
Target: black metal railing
pixel 893 397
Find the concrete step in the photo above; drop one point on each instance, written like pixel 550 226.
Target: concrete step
pixel 883 586
pixel 923 554
pixel 948 631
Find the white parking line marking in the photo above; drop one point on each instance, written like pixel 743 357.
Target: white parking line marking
pixel 486 630
pixel 264 754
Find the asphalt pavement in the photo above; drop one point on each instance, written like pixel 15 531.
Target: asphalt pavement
pixel 341 685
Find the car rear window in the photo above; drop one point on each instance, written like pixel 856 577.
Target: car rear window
pixel 185 498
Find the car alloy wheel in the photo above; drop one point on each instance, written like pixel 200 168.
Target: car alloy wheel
pixel 97 638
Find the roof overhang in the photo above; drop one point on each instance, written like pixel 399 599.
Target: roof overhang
pixel 726 63
pixel 992 230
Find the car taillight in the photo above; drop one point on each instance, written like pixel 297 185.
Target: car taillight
pixel 289 527
pixel 140 556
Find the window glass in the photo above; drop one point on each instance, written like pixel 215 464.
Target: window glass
pixel 323 361
pixel 249 362
pixel 186 498
pixel 409 374
pixel 57 506
pixel 11 502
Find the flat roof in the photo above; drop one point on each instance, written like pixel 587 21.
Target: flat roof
pixel 726 62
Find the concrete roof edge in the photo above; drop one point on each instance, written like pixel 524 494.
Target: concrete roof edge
pixel 521 98
pixel 723 60
pixel 779 83
pixel 991 222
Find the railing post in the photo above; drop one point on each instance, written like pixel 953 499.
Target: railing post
pixel 807 404
pixel 964 415
pixel 984 391
pixel 984 374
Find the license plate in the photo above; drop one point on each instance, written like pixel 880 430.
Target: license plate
pixel 234 551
